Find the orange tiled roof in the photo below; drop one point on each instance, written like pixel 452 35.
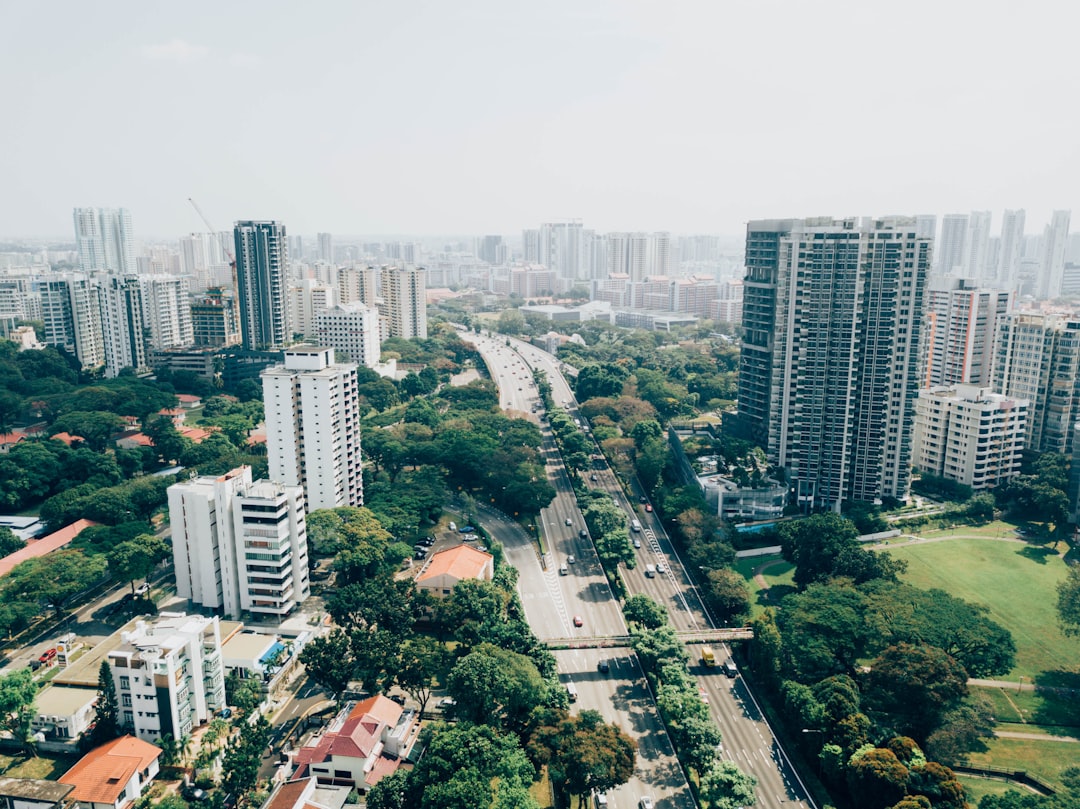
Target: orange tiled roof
pixel 287 796
pixel 67 438
pixel 461 562
pixel 102 774
pixel 10 439
pixel 45 545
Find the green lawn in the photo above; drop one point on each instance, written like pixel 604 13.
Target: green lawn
pixel 44 766
pixel 778 574
pixel 977 787
pixel 1044 760
pixel 1057 714
pixel 1015 581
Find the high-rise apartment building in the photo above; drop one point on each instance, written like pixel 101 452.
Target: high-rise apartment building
pixel 313 426
pixel 530 246
pixel 1038 359
pixel 1012 248
pixel 959 331
pixel 168 675
pixel 404 294
pixel 306 299
pixel 122 328
pixel 262 264
pixel 326 248
pixel 357 284
pixel 167 311
pixel 950 255
pixel 71 309
pixel 104 240
pixel 639 255
pixel 351 329
pixel 1052 269
pixel 213 319
pixel 240 546
pixel 561 248
pixel 977 246
pixel 828 378
pixel 491 249
pixel 969 434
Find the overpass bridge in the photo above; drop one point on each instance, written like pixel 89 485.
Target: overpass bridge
pixel 617 641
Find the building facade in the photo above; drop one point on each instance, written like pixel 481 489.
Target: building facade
pixel 168 675
pixel 968 434
pixel 959 332
pixel 832 311
pixel 214 319
pixel 122 326
pixel 404 293
pixel 104 240
pixel 313 426
pixel 238 545
pixel 351 329
pixel 166 311
pixel 262 263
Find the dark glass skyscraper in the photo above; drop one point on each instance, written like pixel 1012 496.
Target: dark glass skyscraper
pixel 262 261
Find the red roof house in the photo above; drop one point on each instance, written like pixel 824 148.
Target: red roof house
pixel 114 775
pixel 45 545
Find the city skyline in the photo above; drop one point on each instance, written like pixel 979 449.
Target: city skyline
pixel 489 118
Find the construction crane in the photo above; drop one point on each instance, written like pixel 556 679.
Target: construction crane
pixel 227 250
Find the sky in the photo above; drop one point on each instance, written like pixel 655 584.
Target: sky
pixel 460 117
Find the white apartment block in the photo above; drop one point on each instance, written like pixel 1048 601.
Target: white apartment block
pixel 306 299
pixel 71 309
pixel 959 331
pixel 240 546
pixel 122 324
pixel 168 675
pixel 104 240
pixel 351 329
pixel 969 434
pixel 404 293
pixel 357 284
pixel 167 311
pixel 313 426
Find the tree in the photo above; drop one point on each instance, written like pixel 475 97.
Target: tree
pixel 728 596
pixel 243 757
pixel 424 662
pixel 106 725
pixel 583 753
pixel 914 687
pixel 657 647
pixel 1068 603
pixel 825 546
pixel 643 611
pixel 166 439
pixel 9 542
pixel 17 693
pixel 55 578
pixel 725 786
pixel 496 687
pixel 876 778
pixel 823 631
pixel 963 730
pixel 389 792
pixel 136 558
pixel 94 427
pixel 243 693
pixel 328 660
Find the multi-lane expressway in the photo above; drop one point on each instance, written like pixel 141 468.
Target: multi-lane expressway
pixel 551 601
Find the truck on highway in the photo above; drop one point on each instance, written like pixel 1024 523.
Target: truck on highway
pixel 650 571
pixel 708 656
pixel 571 690
pixel 635 526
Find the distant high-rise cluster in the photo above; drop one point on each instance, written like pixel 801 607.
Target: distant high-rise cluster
pixel 104 239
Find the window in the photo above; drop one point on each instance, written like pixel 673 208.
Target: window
pixel 125 700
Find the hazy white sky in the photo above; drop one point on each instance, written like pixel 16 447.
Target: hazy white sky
pixel 487 117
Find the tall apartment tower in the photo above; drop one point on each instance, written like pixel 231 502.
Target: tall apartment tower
pixel 353 330
pixel 828 377
pixel 122 327
pixel 530 246
pixel 326 248
pixel 357 284
pixel 104 240
pixel 71 309
pixel 307 298
pixel 213 319
pixel 959 331
pixel 977 246
pixel 239 545
pixel 561 248
pixel 262 264
pixel 1012 248
pixel 404 293
pixel 167 311
pixel 313 426
pixel 951 253
pixel 1052 264
pixel 1038 359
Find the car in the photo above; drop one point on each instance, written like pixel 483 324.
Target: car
pixel 400 700
pixel 578 621
pixel 482 548
pixel 603 667
pixel 428 541
pixel 570 559
pixel 637 542
pixel 583 534
pixel 564 570
pixel 466 529
pixel 195 794
pixel 225 713
pixel 592 477
pixel 645 803
pixel 661 568
pixel 142 589
pixel 568 521
pixel 47 656
pixel 447 702
pixel 421 554
pixel 704 695
pixel 648 508
pixel 643 499
pixel 471 537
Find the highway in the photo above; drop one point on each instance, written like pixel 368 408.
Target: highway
pixel 748 739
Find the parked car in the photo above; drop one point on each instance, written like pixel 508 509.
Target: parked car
pixel 592 477
pixel 142 589
pixel 603 667
pixel 570 559
pixel 225 713
pixel 645 803
pixel 47 656
pixel 400 700
pixel 447 702
pixel 466 529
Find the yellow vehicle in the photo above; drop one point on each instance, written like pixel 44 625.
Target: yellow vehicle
pixel 707 656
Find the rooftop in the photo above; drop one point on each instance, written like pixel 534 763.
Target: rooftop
pixel 34 789
pixel 102 775
pixel 247 646
pixel 45 545
pixel 60 700
pixel 461 562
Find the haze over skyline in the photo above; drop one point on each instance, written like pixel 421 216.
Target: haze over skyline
pixel 490 117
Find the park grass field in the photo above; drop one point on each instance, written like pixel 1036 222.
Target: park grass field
pixel 1015 581
pixel 1043 759
pixel 976 787
pixel 778 574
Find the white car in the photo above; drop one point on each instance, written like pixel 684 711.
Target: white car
pixel 645 803
pixel 569 521
pixel 570 559
pixel 142 589
pixel 661 568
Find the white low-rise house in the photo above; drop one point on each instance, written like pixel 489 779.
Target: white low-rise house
pixel 168 675
pixel 114 775
pixel 63 713
pixel 34 793
pixel 306 793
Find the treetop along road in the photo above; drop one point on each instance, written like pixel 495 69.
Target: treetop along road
pixel 618 641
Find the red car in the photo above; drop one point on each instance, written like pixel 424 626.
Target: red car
pixel 648 508
pixel 578 621
pixel 47 656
